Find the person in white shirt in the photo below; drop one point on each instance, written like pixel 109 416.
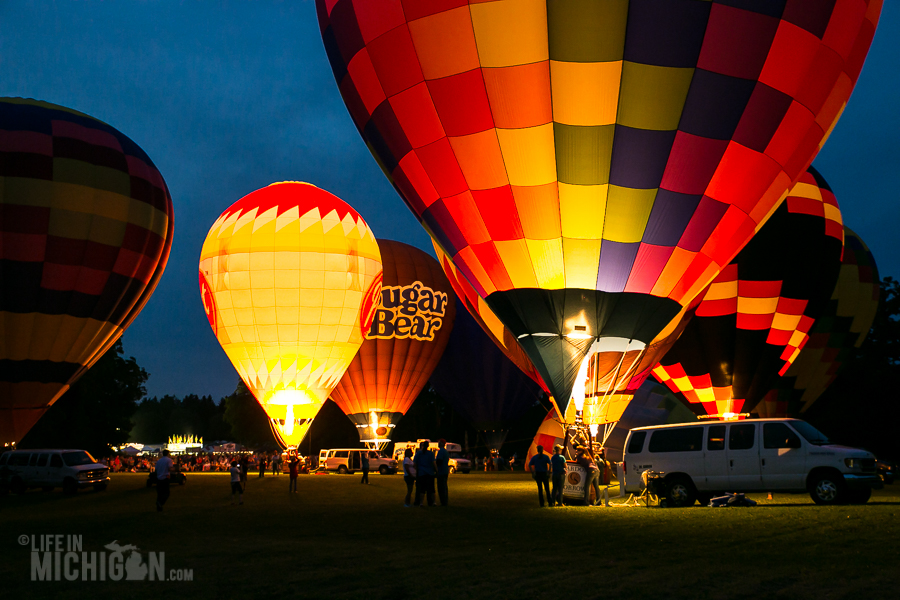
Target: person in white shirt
pixel 163 467
pixel 236 489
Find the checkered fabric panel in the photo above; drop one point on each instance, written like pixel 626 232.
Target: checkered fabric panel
pixel 85 233
pixel 622 146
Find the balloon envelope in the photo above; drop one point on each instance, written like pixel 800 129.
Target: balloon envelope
pixel 842 326
pixel 407 337
pixel 756 316
pixel 289 277
pixel 85 233
pixel 591 166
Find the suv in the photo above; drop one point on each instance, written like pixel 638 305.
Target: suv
pixel 349 460
pixel 700 460
pixel 46 469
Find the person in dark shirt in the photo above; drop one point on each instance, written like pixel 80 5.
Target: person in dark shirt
pixel 540 470
pixel 442 465
pixel 591 476
pixel 424 462
pixel 365 467
pixel 558 475
pixel 294 468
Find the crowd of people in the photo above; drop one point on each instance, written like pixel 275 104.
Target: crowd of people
pixel 422 472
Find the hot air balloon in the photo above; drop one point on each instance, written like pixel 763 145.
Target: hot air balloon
pixel 85 233
pixel 756 316
pixel 842 326
pixel 402 346
pixel 590 167
pixel 290 277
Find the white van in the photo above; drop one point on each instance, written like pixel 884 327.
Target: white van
pixel 458 464
pixel 349 460
pixel 46 469
pixel 701 460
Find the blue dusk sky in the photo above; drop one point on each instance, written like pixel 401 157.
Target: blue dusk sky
pixel 228 97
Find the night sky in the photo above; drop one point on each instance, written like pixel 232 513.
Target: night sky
pixel 228 97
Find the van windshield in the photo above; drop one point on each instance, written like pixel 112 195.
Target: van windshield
pixel 810 433
pixel 73 459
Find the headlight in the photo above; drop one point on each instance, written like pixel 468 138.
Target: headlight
pixel 853 463
pixel 83 475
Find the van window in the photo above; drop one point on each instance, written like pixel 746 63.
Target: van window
pixel 55 461
pixel 779 435
pixel 342 454
pixel 42 460
pixel 33 461
pixel 636 443
pixel 715 437
pixel 742 437
pixel 19 459
pixel 682 439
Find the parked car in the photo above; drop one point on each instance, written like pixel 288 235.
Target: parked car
pixel 457 462
pixel 701 460
pixel 71 470
pixel 349 460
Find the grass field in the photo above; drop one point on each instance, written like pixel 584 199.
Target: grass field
pixel 338 539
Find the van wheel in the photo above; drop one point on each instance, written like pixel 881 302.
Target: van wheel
pixel 827 488
pixel 859 496
pixel 17 486
pixel 70 487
pixel 343 470
pixel 680 491
pixel 383 469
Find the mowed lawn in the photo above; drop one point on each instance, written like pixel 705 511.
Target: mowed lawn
pixel 339 539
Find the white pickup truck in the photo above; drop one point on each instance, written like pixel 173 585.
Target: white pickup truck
pixel 700 460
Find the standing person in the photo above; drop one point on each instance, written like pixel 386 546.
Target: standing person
pixel 276 463
pixel 244 464
pixel 558 475
pixel 294 468
pixel 409 475
pixel 591 477
pixel 424 461
pixel 163 466
pixel 262 465
pixel 236 488
pixel 442 466
pixel 365 467
pixel 539 465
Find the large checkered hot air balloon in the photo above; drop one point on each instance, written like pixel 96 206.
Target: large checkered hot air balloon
pixel 591 166
pixel 290 276
pixel 841 327
pixel 407 337
pixel 85 233
pixel 756 316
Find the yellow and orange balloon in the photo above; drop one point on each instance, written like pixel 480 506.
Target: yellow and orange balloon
pixel 290 276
